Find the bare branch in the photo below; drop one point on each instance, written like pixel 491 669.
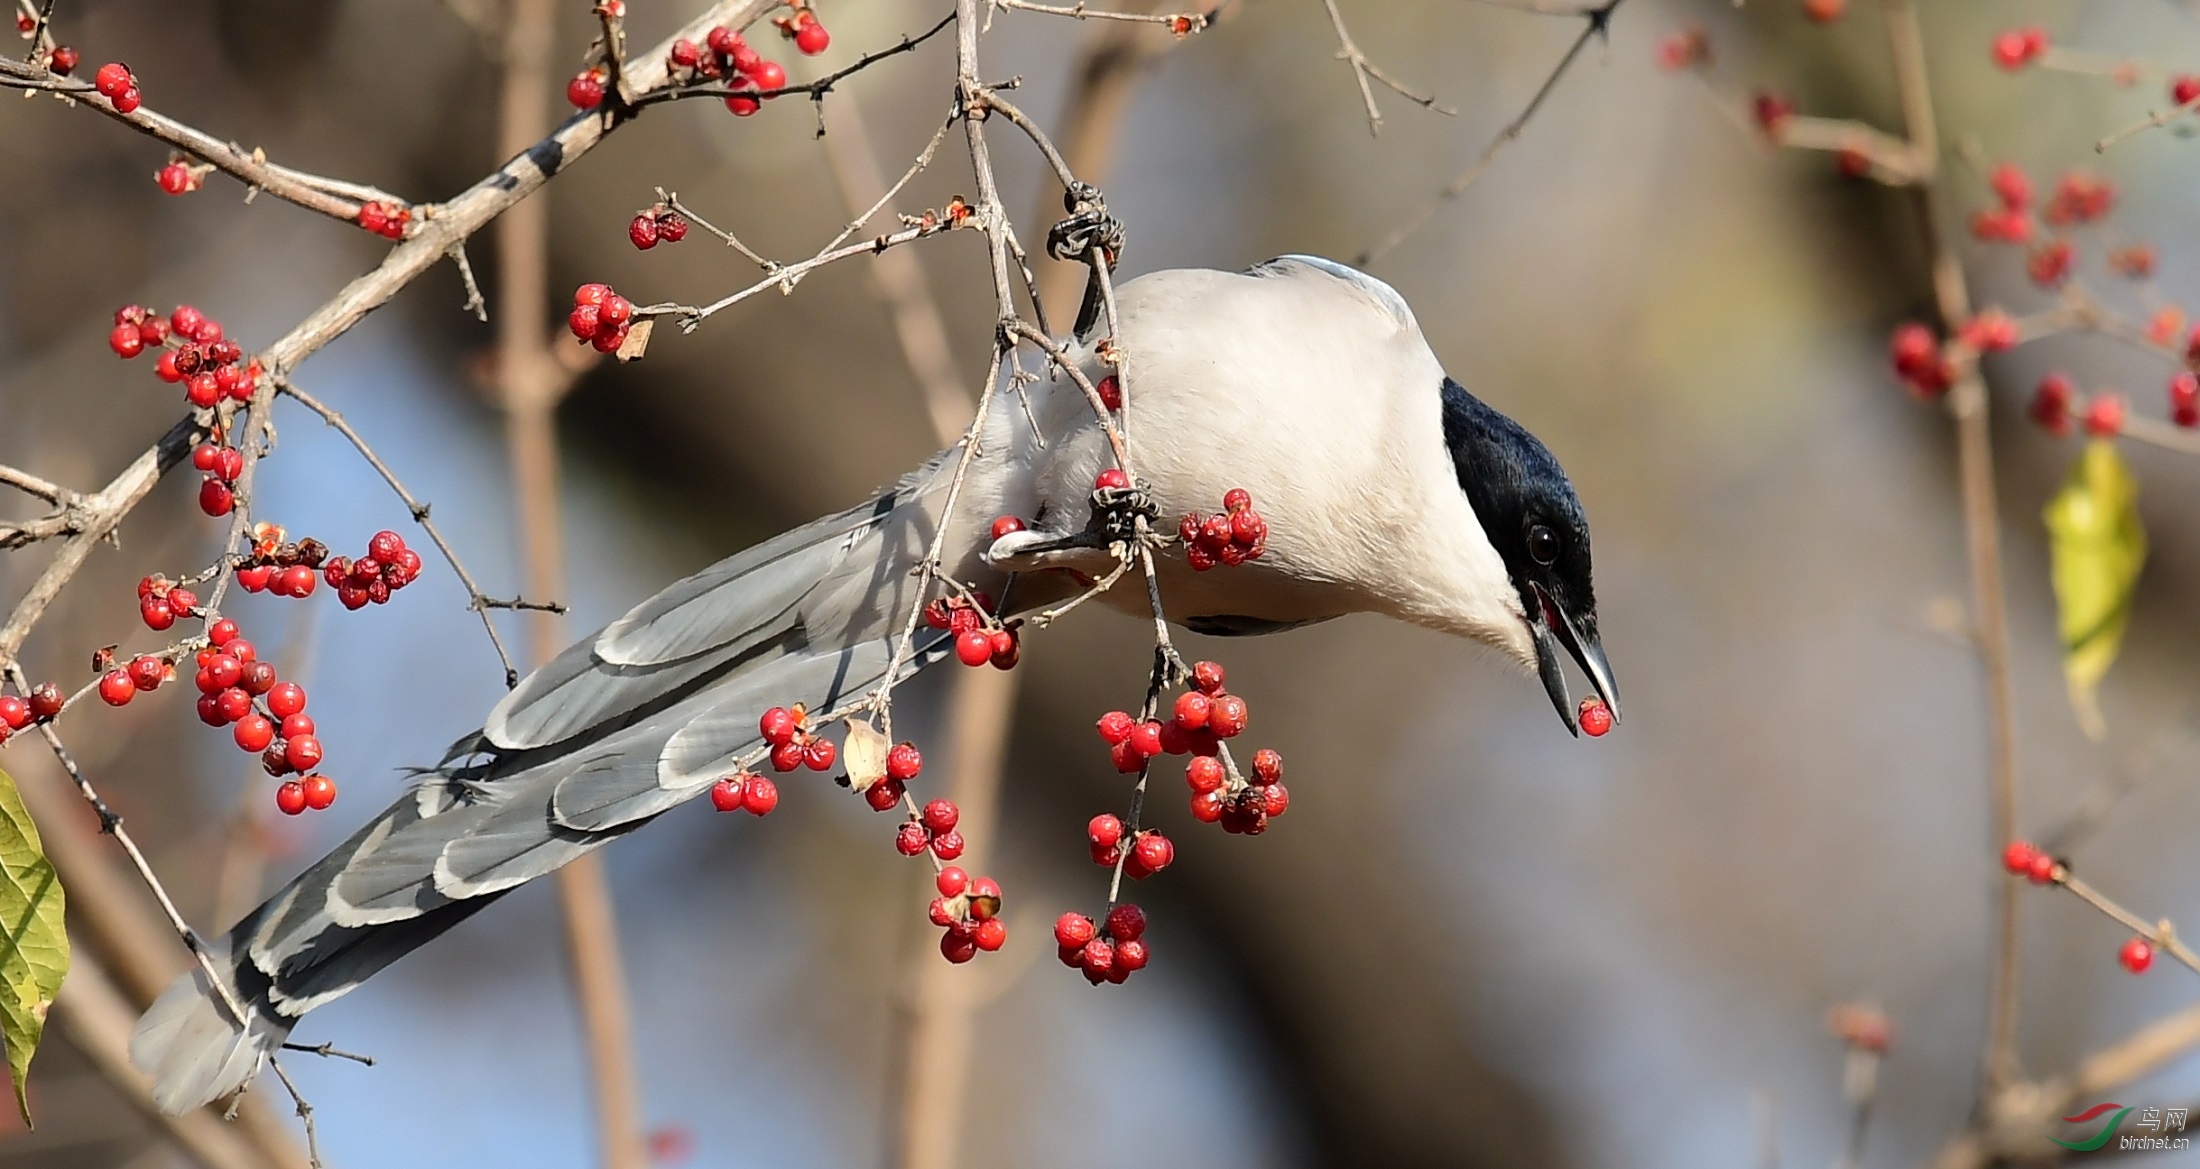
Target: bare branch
pixel 1363 69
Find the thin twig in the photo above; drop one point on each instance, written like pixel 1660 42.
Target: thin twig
pixel 1180 23
pixel 1596 21
pixel 1363 69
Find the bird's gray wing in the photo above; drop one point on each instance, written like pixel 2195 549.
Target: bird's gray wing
pixel 614 731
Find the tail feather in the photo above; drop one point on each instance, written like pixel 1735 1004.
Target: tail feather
pixel 615 731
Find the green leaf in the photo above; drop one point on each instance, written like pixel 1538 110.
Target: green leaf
pixel 34 944
pixel 2098 546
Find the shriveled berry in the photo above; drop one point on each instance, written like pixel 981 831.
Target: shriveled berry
pixel 818 754
pixel 947 845
pixel 1267 766
pixel 642 232
pixel 941 912
pixel 1126 922
pixel 911 839
pixel 939 815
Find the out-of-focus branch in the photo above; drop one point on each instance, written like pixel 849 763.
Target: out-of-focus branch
pixel 95 1019
pixel 531 381
pixel 1981 523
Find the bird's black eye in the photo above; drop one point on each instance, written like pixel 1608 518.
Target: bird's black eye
pixel 1542 544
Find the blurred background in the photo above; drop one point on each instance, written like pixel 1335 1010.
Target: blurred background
pixel 1475 941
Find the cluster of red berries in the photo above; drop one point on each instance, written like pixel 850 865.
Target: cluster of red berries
pixel 1919 362
pixel 161 602
pixel 222 464
pixel 119 86
pixel 724 54
pixel 969 910
pixel 385 219
pixel 659 224
pixel 1149 851
pixel 755 793
pixel 43 703
pixel 2017 47
pixel 600 317
pixel 2012 221
pixel 278 565
pixel 1231 536
pixel 803 29
pixel 387 567
pixel 792 743
pixel 194 352
pixel 179 177
pixel 2054 404
pixel 1109 952
pixel 1201 718
pixel 979 636
pixel 933 827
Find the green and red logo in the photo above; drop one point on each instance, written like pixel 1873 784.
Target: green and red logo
pixel 2107 1133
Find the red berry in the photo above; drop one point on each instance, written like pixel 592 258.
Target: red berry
pixel 767 75
pixel 146 672
pixel 215 498
pixel 1112 479
pixel 45 701
pixel 940 912
pixel 221 673
pixel 1098 956
pixel 1130 955
pixel 255 578
pixel 295 725
pixel 778 726
pixel 1001 526
pixel 298 581
pixel 2012 49
pixel 974 647
pixel 126 341
pixel 2184 89
pixel 939 815
pixel 1204 774
pixel 2050 405
pixel 585 91
pixel 2104 415
pixel 2017 857
pixel 291 797
pixel 253 733
pixel 911 839
pixel 1207 807
pixel 1208 677
pixel 1237 499
pixel 1073 929
pixel 63 61
pixel 787 756
pixel 643 231
pixel 1596 718
pixel 157 613
pixel 743 105
pixel 285 699
pixel 302 753
pixel 725 794
pixel 15 714
pixel 958 948
pixel 128 101
pixel 818 754
pixel 1145 739
pixel 903 763
pixel 1006 649
pixel 992 932
pixel 1154 852
pixel 951 881
pixel 1228 716
pixel 385 546
pixel 1104 830
pixel 2184 399
pixel 760 796
pixel 2136 955
pixel 1111 392
pixel 320 791
pixel 175 178
pixel 1126 922
pixel 1115 727
pixel 112 79
pixel 2042 869
pixel 672 227
pixel 947 845
pixel 1267 766
pixel 812 39
pixel 116 689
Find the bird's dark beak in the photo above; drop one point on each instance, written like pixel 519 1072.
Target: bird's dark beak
pixel 1554 627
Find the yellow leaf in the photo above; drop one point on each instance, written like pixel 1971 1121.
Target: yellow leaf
pixel 34 944
pixel 2097 546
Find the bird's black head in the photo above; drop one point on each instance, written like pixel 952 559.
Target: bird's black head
pixel 1532 517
